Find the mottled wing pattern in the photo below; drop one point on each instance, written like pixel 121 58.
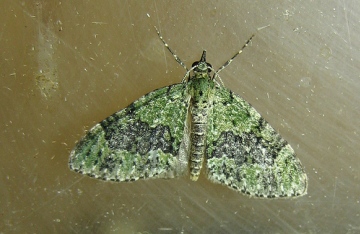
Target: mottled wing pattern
pixel 148 139
pixel 245 153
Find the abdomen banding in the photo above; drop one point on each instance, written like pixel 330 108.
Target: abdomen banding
pixel 198 140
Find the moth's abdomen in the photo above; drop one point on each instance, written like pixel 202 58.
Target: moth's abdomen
pixel 198 137
pixel 199 115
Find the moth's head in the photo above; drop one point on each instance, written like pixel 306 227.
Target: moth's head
pixel 201 68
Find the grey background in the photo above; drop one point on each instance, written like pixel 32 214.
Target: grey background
pixel 66 65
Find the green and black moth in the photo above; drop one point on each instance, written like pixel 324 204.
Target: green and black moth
pixel 179 129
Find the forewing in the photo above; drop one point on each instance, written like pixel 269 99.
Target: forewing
pixel 245 153
pixel 147 139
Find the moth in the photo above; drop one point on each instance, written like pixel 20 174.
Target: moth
pixel 196 126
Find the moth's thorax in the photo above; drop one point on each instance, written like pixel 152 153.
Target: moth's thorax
pixel 201 75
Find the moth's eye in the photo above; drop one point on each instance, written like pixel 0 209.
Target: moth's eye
pixel 209 65
pixel 195 64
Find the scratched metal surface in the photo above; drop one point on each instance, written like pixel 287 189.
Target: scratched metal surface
pixel 65 66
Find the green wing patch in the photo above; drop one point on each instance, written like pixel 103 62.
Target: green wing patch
pixel 245 153
pixel 145 140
